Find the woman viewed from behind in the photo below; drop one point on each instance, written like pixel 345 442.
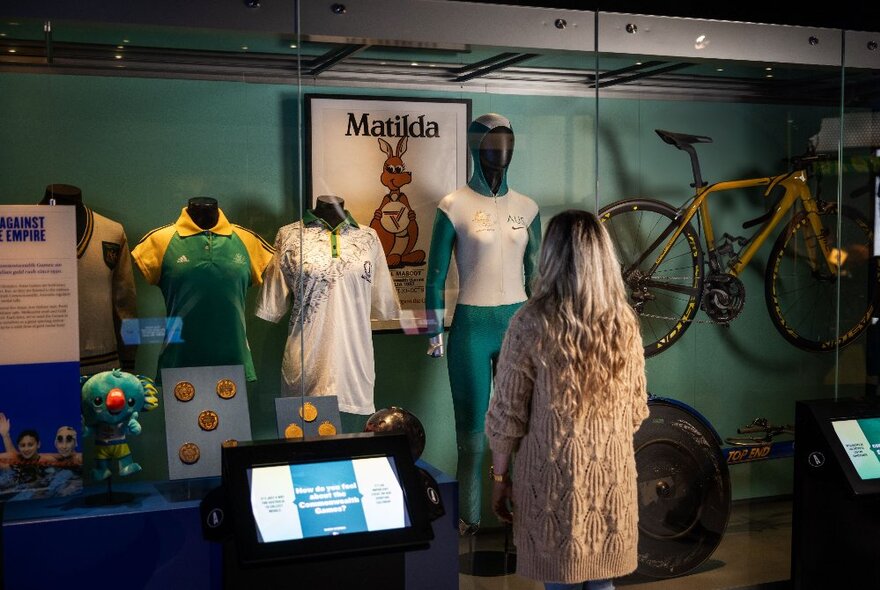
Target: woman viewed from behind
pixel 569 395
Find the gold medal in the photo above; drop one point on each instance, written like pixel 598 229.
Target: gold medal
pixel 326 428
pixel 229 442
pixel 293 431
pixel 208 420
pixel 308 412
pixel 226 388
pixel 184 391
pixel 189 453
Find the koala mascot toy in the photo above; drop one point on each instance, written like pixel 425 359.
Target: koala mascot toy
pixel 111 402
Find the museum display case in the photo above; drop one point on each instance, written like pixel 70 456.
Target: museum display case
pixel 734 165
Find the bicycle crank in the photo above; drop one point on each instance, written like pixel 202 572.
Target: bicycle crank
pixel 724 296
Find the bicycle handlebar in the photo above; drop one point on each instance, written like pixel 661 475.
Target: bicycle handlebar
pixel 808 158
pixel 762 425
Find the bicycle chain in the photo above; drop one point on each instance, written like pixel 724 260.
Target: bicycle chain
pixel 690 321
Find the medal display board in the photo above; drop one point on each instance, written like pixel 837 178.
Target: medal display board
pixel 205 409
pixel 316 415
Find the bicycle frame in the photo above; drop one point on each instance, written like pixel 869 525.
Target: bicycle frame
pixel 736 454
pixel 733 454
pixel 795 185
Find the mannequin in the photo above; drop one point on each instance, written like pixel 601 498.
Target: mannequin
pixel 496 151
pixel 67 194
pixel 203 211
pixel 495 233
pixel 330 209
pixel 105 284
pixel 204 266
pixel 331 274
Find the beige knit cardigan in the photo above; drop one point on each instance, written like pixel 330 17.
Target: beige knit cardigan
pixel 574 481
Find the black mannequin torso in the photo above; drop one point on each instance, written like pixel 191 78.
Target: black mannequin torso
pixel 331 209
pixel 203 211
pixel 67 194
pixel 496 151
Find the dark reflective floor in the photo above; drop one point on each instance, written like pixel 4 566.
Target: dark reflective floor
pixel 755 553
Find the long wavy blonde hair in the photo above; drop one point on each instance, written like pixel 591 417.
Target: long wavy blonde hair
pixel 589 334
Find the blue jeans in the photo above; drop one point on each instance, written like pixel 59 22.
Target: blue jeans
pixel 588 585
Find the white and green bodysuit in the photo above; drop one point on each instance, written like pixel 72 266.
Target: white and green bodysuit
pixel 495 239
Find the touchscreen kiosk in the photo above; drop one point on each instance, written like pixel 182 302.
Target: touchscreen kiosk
pixel 836 504
pixel 860 440
pixel 325 496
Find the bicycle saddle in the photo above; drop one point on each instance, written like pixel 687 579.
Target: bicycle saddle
pixel 681 139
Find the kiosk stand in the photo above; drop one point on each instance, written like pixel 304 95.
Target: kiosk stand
pixel 327 512
pixel 365 571
pixel 836 514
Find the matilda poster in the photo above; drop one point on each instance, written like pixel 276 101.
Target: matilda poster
pixel 39 359
pixel 391 161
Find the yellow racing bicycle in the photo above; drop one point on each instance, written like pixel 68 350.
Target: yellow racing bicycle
pixel 821 257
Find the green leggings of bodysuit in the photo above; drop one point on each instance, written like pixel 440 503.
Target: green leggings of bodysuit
pixel 474 343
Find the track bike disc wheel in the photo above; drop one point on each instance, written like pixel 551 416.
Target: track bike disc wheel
pixel 668 297
pixel 683 490
pixel 803 295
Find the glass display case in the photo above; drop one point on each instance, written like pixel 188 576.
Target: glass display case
pixel 730 162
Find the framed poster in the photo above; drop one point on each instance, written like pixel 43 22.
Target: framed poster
pixel 391 160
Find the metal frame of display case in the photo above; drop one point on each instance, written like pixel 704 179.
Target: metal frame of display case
pixel 345 32
pixel 478 48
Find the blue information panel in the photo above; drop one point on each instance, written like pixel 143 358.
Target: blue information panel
pixel 40 452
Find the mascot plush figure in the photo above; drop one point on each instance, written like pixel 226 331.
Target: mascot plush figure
pixel 111 402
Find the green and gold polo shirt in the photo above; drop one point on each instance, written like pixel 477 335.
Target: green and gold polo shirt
pixel 204 276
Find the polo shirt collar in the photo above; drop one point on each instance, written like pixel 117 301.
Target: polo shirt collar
pixel 187 227
pixel 309 217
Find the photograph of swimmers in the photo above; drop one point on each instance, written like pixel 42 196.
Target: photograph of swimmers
pixel 23 468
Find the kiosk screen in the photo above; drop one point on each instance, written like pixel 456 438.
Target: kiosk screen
pixel 326 498
pixel 861 441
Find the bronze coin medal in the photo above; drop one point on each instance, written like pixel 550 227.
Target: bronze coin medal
pixel 184 391
pixel 326 428
pixel 293 431
pixel 229 442
pixel 226 388
pixel 308 412
pixel 208 420
pixel 189 453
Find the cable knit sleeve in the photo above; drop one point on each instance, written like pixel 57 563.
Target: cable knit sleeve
pixel 640 385
pixel 507 420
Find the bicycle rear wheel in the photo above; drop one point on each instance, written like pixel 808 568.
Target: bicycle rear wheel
pixel 667 297
pixel 683 488
pixel 804 297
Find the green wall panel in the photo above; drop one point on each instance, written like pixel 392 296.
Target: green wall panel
pixel 139 148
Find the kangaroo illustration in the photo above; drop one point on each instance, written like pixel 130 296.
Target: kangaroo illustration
pixel 394 220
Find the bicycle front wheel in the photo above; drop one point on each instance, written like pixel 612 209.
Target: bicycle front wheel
pixel 805 297
pixel 663 287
